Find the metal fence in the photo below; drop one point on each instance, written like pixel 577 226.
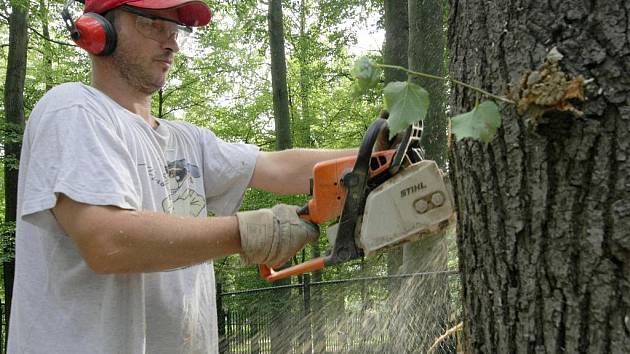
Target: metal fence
pixel 3 329
pixel 389 314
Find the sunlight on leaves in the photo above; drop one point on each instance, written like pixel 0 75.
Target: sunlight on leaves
pixel 406 103
pixel 481 123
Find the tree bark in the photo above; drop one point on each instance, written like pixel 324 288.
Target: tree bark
pixel 396 46
pixel 426 54
pixel 14 112
pixel 279 76
pixel 395 52
pixel 544 209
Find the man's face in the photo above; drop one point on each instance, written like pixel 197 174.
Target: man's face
pixel 142 61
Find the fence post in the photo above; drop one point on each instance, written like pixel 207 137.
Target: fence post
pixel 307 340
pixel 221 320
pixel 3 329
pixel 254 336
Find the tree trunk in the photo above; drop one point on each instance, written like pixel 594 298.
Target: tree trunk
pixel 426 54
pixel 160 113
pixel 47 60
pixel 303 136
pixel 395 48
pixel 279 76
pixel 279 336
pixel 14 110
pixel 395 52
pixel 544 209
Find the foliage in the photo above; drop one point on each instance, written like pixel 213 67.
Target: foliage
pixel 7 241
pixel 480 123
pixel 408 103
pixel 367 75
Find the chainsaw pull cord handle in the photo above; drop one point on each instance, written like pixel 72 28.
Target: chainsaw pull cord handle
pixel 345 248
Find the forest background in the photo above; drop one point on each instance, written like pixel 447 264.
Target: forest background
pixel 222 80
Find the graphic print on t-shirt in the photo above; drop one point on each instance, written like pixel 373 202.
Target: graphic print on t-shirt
pixel 183 200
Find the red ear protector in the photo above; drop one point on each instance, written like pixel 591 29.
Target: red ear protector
pixel 90 31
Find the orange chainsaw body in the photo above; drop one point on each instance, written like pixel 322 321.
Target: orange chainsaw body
pixel 328 193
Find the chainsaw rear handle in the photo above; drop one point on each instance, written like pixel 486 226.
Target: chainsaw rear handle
pixel 312 265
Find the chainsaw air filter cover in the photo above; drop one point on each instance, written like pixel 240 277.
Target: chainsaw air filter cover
pixel 412 204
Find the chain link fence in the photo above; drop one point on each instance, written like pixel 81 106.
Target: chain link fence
pixel 388 314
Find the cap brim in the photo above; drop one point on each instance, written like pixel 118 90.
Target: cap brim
pixel 193 13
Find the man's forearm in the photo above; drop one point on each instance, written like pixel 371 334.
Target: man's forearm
pixel 113 240
pixel 289 171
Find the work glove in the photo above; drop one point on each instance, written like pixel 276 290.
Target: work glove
pixel 273 236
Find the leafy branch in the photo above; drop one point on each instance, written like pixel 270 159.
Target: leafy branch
pixel 407 103
pixel 461 83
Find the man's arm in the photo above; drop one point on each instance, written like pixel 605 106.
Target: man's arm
pixel 289 171
pixel 114 240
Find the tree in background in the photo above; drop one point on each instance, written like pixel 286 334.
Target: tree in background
pixel 427 48
pixel 284 140
pixel 14 124
pixel 279 76
pixel 395 52
pixel 414 39
pixel 544 209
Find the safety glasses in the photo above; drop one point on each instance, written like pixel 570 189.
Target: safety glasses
pixel 159 28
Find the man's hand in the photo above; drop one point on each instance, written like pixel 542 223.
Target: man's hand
pixel 273 236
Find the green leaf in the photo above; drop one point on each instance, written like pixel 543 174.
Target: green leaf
pixel 481 123
pixel 406 103
pixel 367 75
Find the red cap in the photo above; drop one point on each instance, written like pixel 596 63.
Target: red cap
pixel 190 12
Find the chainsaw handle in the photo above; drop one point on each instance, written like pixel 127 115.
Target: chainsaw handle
pixel 269 274
pixel 355 183
pixel 304 214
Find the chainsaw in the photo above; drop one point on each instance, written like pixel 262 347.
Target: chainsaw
pixel 379 200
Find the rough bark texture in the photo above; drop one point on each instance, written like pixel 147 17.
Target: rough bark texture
pixel 279 76
pixel 544 210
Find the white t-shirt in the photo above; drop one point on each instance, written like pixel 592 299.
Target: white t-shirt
pixel 81 143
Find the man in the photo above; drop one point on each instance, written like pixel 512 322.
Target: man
pixel 114 249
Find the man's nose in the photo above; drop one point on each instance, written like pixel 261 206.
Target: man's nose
pixel 171 43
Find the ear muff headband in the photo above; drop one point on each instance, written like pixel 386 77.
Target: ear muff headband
pixel 91 31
